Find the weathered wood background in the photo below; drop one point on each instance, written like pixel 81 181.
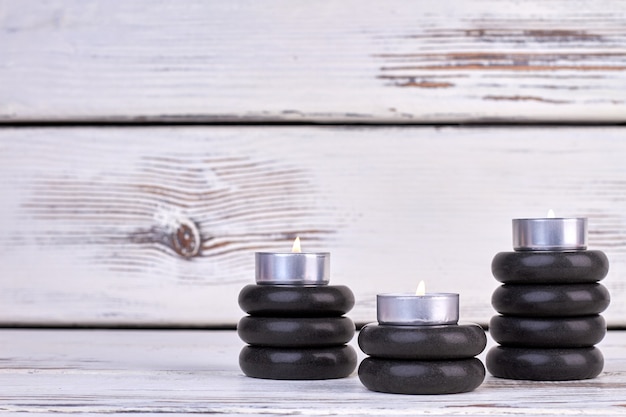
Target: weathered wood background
pixel 342 61
pixel 159 225
pixel 156 225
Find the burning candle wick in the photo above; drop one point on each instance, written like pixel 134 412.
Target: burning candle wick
pixel 421 288
pixel 296 245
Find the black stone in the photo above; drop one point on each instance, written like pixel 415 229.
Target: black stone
pixel 564 300
pixel 296 332
pixel 304 364
pixel 567 332
pixel 422 342
pixel 550 267
pixel 296 301
pixel 421 377
pixel 544 364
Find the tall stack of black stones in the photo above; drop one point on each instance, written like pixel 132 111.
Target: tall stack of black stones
pixel 296 331
pixel 549 304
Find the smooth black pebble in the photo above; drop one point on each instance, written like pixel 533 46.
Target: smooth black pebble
pixel 296 301
pixel 568 332
pixel 298 364
pixel 421 377
pixel 536 267
pixel 295 332
pixel 544 364
pixel 422 342
pixel 563 300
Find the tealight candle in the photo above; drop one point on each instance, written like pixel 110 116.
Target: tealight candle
pixel 419 309
pixel 417 347
pixel 550 234
pixel 292 268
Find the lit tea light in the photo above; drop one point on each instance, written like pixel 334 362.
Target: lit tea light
pixel 550 234
pixel 292 268
pixel 419 309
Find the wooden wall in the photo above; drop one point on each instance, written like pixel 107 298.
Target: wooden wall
pixel 116 211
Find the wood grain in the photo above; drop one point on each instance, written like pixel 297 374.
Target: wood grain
pixel 158 226
pixel 191 373
pixel 346 61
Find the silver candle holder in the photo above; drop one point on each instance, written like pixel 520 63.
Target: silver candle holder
pixel 550 234
pixel 292 268
pixel 431 309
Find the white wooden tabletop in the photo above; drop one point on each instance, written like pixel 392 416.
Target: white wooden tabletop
pixel 191 372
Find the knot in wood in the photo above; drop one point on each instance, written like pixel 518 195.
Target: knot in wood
pixel 185 239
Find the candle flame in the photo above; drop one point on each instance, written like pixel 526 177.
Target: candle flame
pixel 551 214
pixel 421 288
pixel 296 245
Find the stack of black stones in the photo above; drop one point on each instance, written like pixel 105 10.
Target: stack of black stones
pixel 296 331
pixel 422 359
pixel 550 307
pixel 418 347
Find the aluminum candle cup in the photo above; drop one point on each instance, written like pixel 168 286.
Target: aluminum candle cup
pixel 417 310
pixel 550 234
pixel 292 268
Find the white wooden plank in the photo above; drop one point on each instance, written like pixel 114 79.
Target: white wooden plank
pixel 183 372
pixel 344 61
pixel 90 216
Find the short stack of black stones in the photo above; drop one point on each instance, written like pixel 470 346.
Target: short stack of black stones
pixel 549 304
pixel 296 331
pixel 435 359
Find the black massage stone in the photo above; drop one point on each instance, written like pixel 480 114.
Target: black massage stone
pixel 421 377
pixel 295 332
pixel 535 267
pixel 301 364
pixel 545 364
pixel 565 300
pixel 568 332
pixel 296 301
pixel 422 342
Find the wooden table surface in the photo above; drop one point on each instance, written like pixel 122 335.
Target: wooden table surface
pixel 196 372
